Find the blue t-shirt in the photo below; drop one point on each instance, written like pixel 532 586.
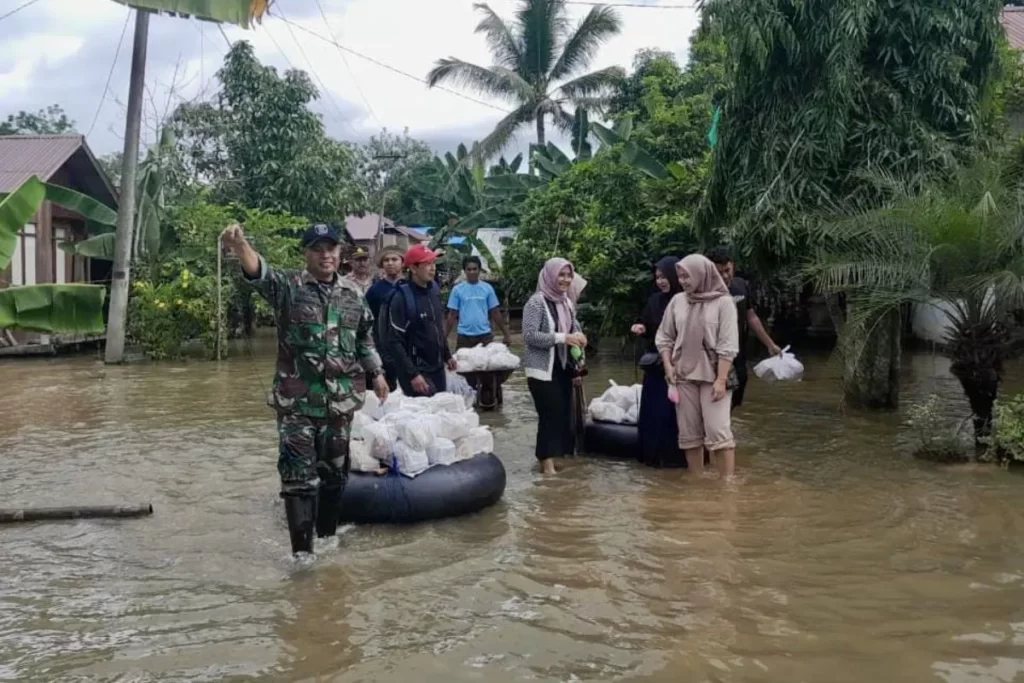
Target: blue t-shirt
pixel 474 302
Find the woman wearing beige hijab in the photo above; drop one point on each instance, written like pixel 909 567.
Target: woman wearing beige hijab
pixel 698 340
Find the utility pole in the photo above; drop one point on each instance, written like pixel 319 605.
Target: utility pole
pixel 126 206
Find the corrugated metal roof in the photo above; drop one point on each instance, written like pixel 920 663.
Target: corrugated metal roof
pixel 1012 19
pixel 22 156
pixel 412 233
pixel 364 227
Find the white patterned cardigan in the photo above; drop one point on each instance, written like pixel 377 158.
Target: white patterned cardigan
pixel 540 338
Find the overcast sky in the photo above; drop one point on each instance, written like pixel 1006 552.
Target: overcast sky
pixel 61 51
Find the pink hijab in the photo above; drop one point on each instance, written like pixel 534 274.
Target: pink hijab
pixel 547 284
pixel 706 285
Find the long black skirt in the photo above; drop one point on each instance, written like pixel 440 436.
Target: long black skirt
pixel 659 431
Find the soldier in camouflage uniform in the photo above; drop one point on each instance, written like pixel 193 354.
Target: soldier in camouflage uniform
pixel 325 353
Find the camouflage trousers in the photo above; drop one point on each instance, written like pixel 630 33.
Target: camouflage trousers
pixel 313 453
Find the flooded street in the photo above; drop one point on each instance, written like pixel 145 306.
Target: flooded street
pixel 835 557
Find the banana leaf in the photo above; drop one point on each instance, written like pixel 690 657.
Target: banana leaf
pixel 238 12
pixel 93 211
pixel 97 246
pixel 607 136
pixel 17 209
pixel 53 309
pixel 644 162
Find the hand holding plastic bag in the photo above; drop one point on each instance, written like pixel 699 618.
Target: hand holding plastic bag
pixel 781 368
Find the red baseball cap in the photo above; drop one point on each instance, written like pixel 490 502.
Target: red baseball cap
pixel 419 253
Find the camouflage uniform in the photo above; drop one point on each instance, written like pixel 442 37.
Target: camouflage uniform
pixel 324 349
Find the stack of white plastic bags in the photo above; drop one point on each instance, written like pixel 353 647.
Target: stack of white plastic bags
pixel 617 404
pixel 482 358
pixel 412 434
pixel 781 368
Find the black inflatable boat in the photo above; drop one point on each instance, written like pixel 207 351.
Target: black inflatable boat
pixel 441 491
pixel 610 439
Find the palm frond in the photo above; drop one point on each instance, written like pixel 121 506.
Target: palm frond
pixel 594 85
pixel 503 43
pixel 496 82
pixel 542 23
pixel 600 24
pixel 503 131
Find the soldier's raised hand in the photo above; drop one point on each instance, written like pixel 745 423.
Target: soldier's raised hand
pixel 233 237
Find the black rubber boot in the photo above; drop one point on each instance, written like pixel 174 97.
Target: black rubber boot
pixel 328 507
pixel 301 513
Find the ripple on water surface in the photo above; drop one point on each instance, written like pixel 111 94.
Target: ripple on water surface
pixel 832 558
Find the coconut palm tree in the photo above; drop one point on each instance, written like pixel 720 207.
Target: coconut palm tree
pixel 538 60
pixel 958 247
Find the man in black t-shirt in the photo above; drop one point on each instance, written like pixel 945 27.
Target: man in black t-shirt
pixel 748 318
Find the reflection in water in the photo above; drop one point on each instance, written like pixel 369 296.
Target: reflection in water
pixel 834 557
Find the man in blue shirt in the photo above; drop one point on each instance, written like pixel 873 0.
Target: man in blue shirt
pixel 473 307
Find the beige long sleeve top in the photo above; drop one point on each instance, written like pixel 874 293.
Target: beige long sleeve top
pixel 721 334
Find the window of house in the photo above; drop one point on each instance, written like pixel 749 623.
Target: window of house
pixel 60 235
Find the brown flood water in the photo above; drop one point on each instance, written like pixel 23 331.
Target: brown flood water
pixel 834 558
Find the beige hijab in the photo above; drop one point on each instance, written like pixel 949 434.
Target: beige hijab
pixel 705 286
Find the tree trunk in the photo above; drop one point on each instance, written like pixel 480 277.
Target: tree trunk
pixel 540 130
pixel 977 354
pixel 871 366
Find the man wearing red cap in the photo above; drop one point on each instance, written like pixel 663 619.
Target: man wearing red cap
pixel 411 328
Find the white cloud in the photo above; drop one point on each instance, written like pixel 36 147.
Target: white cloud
pixel 409 35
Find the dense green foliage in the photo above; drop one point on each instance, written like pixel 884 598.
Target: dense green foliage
pixel 259 145
pixel 174 296
pixel 607 215
pixel 823 95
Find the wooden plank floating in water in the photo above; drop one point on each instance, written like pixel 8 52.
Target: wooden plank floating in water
pixel 11 516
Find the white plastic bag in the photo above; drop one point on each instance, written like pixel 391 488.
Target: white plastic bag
pixel 632 415
pixel 451 426
pixel 601 411
pixel 781 368
pixel 360 420
pixel 480 440
pixel 361 458
pixel 372 406
pixel 496 348
pixel 458 385
pixel 503 361
pixel 381 439
pixel 441 452
pixel 623 397
pixel 417 433
pixel 410 461
pixel 447 402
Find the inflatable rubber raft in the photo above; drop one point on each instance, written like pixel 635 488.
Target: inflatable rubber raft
pixel 442 491
pixel 611 439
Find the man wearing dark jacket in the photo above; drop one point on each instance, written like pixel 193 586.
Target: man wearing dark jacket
pixel 412 328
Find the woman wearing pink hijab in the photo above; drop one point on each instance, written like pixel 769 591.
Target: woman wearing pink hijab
pixel 550 328
pixel 698 340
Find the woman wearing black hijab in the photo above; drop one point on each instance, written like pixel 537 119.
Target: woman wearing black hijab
pixel 659 433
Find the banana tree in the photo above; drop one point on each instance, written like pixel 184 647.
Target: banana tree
pixel 48 308
pixel 457 195
pixel 150 205
pixel 632 153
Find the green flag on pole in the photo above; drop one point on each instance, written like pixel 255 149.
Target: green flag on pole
pixel 713 130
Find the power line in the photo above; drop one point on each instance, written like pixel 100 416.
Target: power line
pixel 323 86
pixel 18 9
pixel 110 74
pixel 391 68
pixel 278 46
pixel 344 61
